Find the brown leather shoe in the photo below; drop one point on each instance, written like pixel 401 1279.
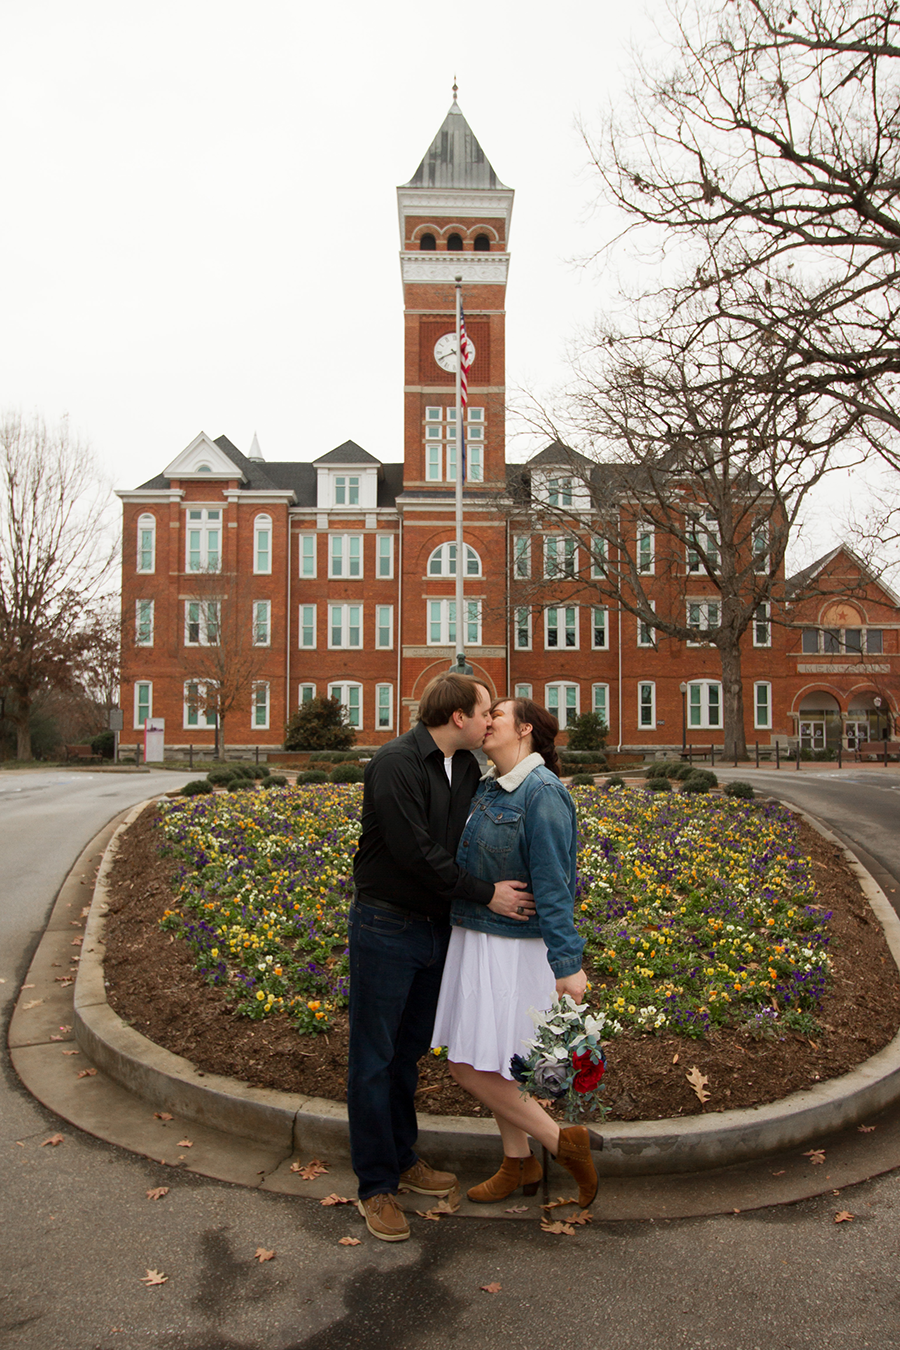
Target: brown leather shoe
pixel 574 1154
pixel 384 1217
pixel 513 1173
pixel 426 1181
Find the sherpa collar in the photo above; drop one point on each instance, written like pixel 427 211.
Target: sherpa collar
pixel 517 775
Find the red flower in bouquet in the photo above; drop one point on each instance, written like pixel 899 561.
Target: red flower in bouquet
pixel 588 1074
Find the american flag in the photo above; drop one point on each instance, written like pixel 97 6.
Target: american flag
pixel 466 356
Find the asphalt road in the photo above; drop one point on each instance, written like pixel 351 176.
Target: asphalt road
pixel 78 1233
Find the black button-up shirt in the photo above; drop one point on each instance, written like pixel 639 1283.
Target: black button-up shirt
pixel 412 821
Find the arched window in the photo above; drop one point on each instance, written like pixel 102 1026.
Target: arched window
pixel 262 544
pixel 426 243
pixel 454 243
pixel 442 562
pixel 146 543
pixel 482 243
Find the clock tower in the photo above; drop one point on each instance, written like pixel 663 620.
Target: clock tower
pixel 454 224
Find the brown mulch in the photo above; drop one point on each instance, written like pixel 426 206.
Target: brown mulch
pixel 154 987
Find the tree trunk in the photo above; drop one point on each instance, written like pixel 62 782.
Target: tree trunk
pixel 733 703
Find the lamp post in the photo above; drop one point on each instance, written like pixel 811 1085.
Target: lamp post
pixel 683 688
pixel 877 701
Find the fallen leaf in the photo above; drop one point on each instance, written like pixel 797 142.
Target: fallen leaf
pixel 262 1255
pixel 557 1226
pixel 866 1129
pixel 154 1277
pixel 157 1193
pixel 57 1038
pixel 560 1200
pixel 517 1209
pixel 66 1029
pixel 27 986
pixel 76 942
pixel 584 1216
pixel 778 1174
pixel 161 1115
pixel 309 1171
pixel 698 1082
pixel 53 1140
pixel 674 1059
pixel 492 1288
pixel 71 1052
pixel 32 1003
pixel 815 1155
pixel 348 1242
pixel 843 1216
pixel 448 1204
pixel 335 1199
pixel 86 1073
pixel 185 1143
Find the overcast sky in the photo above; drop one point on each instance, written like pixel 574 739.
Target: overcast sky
pixel 200 224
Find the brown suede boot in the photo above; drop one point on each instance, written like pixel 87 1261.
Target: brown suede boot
pixel 574 1154
pixel 514 1172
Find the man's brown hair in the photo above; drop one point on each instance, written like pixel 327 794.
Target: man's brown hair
pixel 447 694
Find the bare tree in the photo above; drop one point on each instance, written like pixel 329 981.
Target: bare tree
pixel 765 158
pixel 55 556
pixel 699 456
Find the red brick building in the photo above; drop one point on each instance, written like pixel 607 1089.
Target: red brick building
pixel 338 576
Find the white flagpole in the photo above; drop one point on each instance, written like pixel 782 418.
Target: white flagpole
pixel 460 560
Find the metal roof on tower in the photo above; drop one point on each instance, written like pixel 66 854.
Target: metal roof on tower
pixel 454 158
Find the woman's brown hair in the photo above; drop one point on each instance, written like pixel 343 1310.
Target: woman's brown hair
pixel 544 729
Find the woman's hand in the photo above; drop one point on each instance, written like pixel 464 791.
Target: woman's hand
pixel 573 985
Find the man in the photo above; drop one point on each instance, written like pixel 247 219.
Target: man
pixel 416 798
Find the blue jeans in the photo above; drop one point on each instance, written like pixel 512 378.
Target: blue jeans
pixel 395 977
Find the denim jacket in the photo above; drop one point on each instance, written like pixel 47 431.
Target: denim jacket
pixel 522 828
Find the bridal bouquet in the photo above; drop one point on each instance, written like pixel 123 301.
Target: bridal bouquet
pixel 566 1060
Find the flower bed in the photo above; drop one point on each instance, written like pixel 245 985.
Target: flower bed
pixel 696 912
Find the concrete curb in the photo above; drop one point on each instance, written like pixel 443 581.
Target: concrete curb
pixel 305 1124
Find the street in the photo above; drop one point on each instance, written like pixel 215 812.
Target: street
pixel 79 1233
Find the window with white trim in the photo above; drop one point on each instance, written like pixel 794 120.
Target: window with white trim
pixel 561 627
pixel 522 555
pixel 522 628
pixel 346 555
pixel 195 712
pixel 259 716
pixel 351 697
pixel 384 625
pixel 442 562
pixel 600 701
pixel 702 616
pixel 146 543
pixel 599 628
pixel 346 489
pixel 307 555
pixel 645 631
pixel 262 545
pixel 599 550
pixel 384 554
pixel 704 704
pixel 204 540
pixel 560 556
pixel 345 626
pixel 201 623
pixel 559 492
pixel 762 629
pixel 762 705
pixel 384 707
pixel 143 623
pixel 307 626
pixel 761 549
pixel 143 702
pixel 646 705
pixel 306 694
pixel 440 444
pixel 442 623
pixel 703 538
pixel 562 701
pixel 646 549
pixel 523 691
pixel 262 623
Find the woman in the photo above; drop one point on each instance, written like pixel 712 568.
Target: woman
pixel 522 827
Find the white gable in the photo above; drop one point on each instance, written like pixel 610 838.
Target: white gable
pixel 203 459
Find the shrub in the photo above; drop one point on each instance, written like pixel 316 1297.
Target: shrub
pixel 260 771
pixel 274 780
pixel 701 780
pixel 347 773
pixel 320 724
pixel 739 789
pixel 659 783
pixel 241 784
pixel 240 770
pixel 656 770
pixel 312 776
pixel 582 780
pixel 197 787
pixel 616 780
pixel 104 743
pixel 683 771
pixel 588 731
pixel 220 777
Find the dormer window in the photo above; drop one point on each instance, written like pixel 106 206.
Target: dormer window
pixel 427 243
pixel 204 468
pixel 454 243
pixel 346 490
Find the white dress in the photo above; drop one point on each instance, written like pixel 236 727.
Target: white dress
pixel 489 984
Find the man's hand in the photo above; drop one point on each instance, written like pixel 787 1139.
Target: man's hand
pixel 574 985
pixel 512 900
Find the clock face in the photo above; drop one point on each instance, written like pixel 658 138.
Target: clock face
pixel 445 351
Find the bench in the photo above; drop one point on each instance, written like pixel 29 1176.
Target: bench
pixel 83 753
pixel 874 750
